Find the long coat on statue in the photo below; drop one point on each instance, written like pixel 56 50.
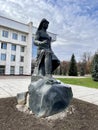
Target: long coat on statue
pixel 42 51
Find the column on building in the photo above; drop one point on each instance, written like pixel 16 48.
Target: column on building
pixel 8 59
pixel 17 63
pixel 0 50
pixel 28 52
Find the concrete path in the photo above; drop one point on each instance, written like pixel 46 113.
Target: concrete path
pixel 10 86
pixel 86 94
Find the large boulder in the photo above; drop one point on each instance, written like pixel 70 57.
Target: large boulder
pixel 47 96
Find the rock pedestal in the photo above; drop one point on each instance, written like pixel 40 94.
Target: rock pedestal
pixel 47 96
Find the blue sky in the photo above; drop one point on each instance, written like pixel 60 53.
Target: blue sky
pixel 74 21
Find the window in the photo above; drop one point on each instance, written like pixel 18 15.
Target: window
pixel 15 36
pixel 21 70
pixel 21 59
pixel 12 70
pixel 5 33
pixel 3 45
pixel 13 47
pixel 3 57
pixel 23 38
pixel 12 57
pixel 2 69
pixel 22 49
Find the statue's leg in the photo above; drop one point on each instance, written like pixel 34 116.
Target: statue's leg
pixel 48 63
pixel 41 70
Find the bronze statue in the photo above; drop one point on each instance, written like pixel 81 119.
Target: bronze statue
pixel 47 62
pixel 46 95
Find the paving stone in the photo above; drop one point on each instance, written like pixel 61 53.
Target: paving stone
pixel 11 86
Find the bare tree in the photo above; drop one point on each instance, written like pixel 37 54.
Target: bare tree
pixel 86 62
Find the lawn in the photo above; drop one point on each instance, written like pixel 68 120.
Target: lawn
pixel 87 82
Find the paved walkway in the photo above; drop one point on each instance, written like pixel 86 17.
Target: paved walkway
pixel 10 86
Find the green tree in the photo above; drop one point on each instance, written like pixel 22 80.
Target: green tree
pixel 95 67
pixel 73 67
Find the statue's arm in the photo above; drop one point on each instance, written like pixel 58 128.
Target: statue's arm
pixel 37 42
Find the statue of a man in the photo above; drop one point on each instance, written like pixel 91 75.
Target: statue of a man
pixel 46 60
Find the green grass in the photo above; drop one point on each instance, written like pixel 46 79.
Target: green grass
pixel 87 82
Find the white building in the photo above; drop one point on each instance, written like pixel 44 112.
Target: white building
pixel 16 46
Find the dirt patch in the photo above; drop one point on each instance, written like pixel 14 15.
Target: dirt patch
pixel 84 117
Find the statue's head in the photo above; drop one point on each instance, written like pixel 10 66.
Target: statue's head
pixel 43 24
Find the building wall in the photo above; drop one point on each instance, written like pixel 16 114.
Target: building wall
pixel 26 55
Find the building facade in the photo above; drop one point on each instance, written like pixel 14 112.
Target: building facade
pixel 16 47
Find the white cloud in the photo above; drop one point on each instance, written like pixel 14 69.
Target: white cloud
pixel 75 21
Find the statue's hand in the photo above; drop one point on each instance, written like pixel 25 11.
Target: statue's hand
pixel 44 42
